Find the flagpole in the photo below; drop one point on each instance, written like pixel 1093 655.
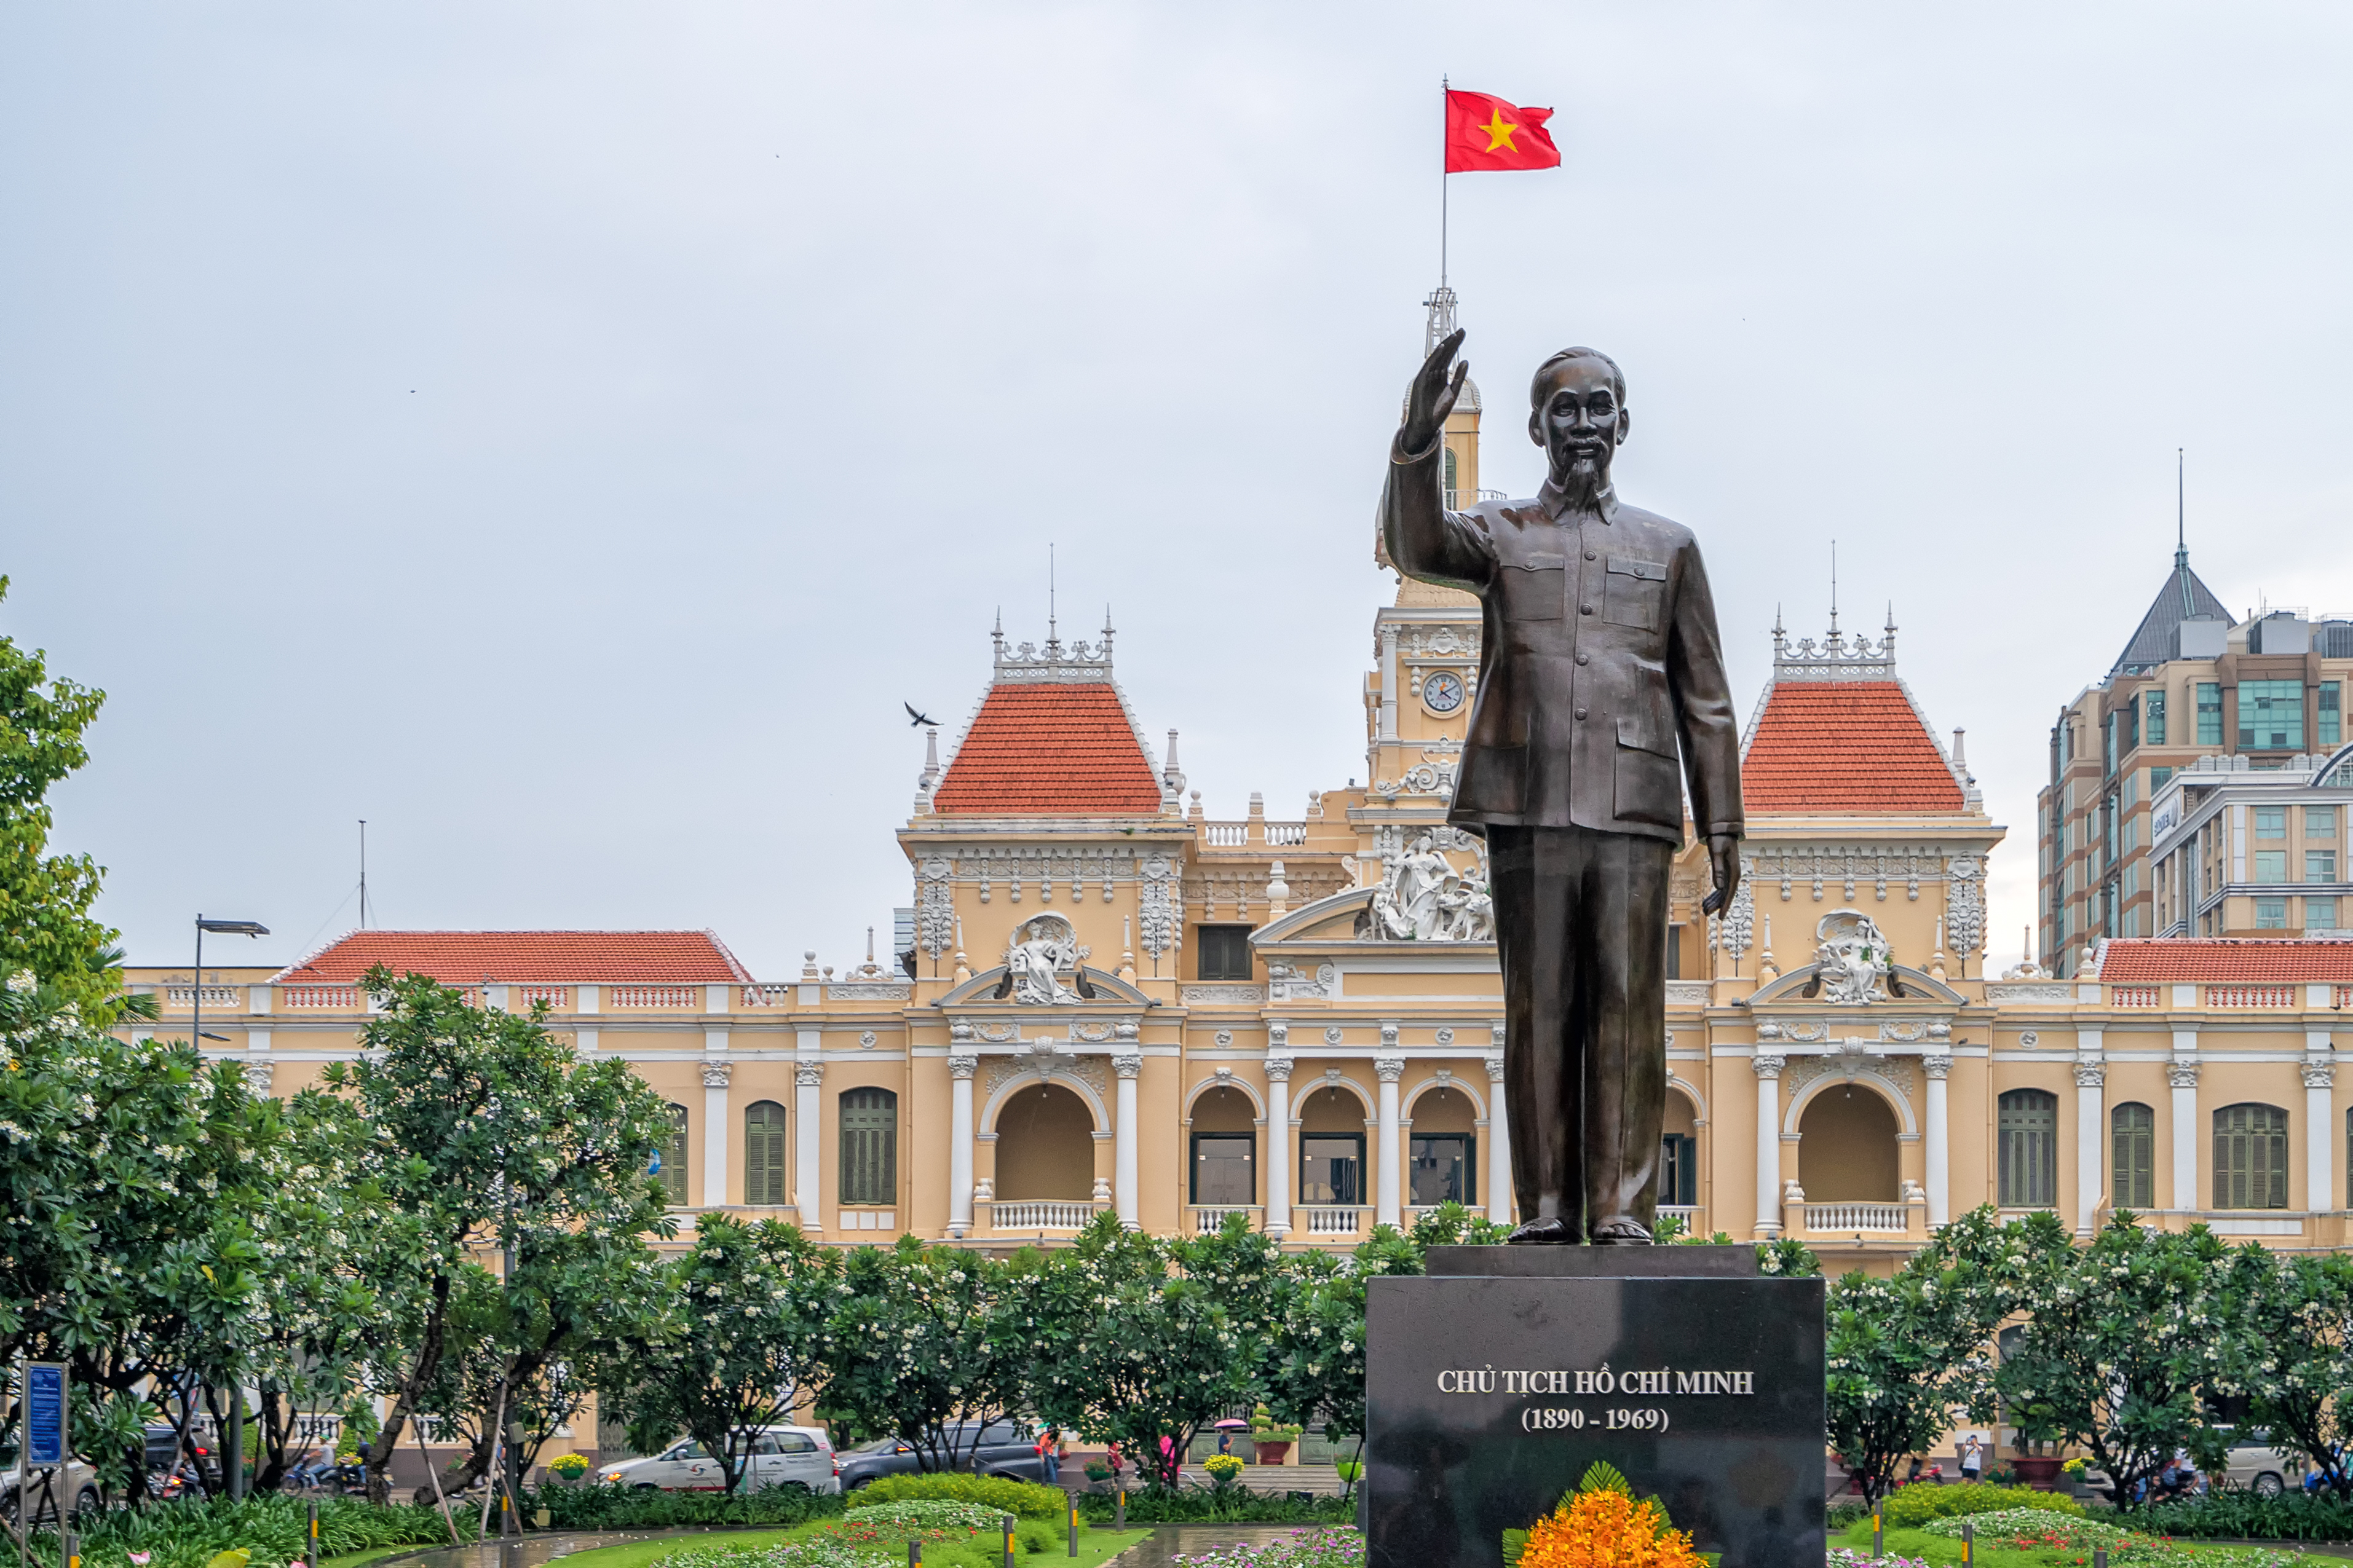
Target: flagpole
pixel 1445 181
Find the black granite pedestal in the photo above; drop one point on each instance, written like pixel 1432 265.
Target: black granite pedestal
pixel 1492 1384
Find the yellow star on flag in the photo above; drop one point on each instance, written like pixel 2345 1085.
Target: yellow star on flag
pixel 1499 133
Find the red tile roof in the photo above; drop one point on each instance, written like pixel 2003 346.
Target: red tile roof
pixel 526 957
pixel 2211 960
pixel 1844 746
pixel 1058 748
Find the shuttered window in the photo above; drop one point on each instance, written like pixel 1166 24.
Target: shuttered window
pixel 2250 1157
pixel 672 1158
pixel 2028 1126
pixel 764 1153
pixel 869 1146
pixel 2132 1131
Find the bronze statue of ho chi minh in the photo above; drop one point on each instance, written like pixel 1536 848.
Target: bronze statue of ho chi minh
pixel 1599 661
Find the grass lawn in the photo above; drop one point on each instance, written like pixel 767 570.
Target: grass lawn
pixel 984 1550
pixel 1919 1544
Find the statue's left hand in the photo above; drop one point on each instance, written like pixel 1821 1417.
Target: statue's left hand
pixel 1724 855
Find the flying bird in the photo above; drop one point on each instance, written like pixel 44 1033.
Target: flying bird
pixel 919 719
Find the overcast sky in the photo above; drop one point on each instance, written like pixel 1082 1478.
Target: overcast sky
pixel 563 435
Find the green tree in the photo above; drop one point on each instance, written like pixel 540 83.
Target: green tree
pixel 1129 1351
pixel 1906 1353
pixel 745 1338
pixel 2127 1337
pixel 929 1342
pixel 488 1135
pixel 2290 1351
pixel 134 1183
pixel 45 923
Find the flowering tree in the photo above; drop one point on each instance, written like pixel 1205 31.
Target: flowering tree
pixel 930 1344
pixel 744 1338
pixel 1906 1353
pixel 2126 1336
pixel 2290 1351
pixel 485 1133
pixel 1130 1350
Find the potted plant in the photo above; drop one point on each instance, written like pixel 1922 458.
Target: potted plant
pixel 1222 1469
pixel 1272 1439
pixel 569 1468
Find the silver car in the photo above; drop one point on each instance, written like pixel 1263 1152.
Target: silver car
pixel 800 1458
pixel 77 1488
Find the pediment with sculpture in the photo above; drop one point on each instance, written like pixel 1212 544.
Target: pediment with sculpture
pixel 1853 966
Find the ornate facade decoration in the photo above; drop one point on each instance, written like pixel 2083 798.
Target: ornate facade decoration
pixel 1854 959
pixel 1286 983
pixel 2181 1075
pixel 2091 1074
pixel 1422 898
pixel 936 905
pixel 1043 949
pixel 2319 1072
pixel 260 1076
pixel 809 1075
pixel 1046 1061
pixel 716 1074
pixel 1938 1065
pixel 1390 1069
pixel 1128 1065
pixel 1220 995
pixel 1765 1066
pixel 1965 903
pixel 961 1066
pixel 1162 905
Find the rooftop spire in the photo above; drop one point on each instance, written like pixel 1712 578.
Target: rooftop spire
pixel 2181 534
pixel 1440 304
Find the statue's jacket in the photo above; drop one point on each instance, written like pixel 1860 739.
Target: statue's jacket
pixel 1598 653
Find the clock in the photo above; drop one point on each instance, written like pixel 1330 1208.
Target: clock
pixel 1442 691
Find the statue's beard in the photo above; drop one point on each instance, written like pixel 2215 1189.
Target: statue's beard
pixel 1583 481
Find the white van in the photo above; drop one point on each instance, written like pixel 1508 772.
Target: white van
pixel 798 1457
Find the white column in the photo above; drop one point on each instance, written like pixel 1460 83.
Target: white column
pixel 1278 1137
pixel 714 1134
pixel 2319 1130
pixel 2183 1073
pixel 960 1071
pixel 1768 1144
pixel 809 1131
pixel 1936 1141
pixel 1388 1204
pixel 1499 1146
pixel 2090 1122
pixel 1123 1167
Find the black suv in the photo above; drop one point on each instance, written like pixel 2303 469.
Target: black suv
pixel 1008 1449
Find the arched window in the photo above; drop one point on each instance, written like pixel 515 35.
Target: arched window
pixel 2028 1149
pixel 764 1153
pixel 1452 500
pixel 2131 1134
pixel 669 1161
pixel 869 1146
pixel 2250 1157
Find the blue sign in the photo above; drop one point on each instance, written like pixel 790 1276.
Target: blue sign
pixel 45 1414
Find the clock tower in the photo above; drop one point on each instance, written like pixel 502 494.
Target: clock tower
pixel 1426 648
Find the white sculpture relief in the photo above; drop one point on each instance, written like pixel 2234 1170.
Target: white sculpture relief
pixel 934 905
pixel 715 1074
pixel 1422 898
pixel 1220 995
pixel 1965 903
pixel 866 1039
pixel 1043 948
pixel 1736 925
pixel 1852 958
pixel 1288 984
pixel 1162 905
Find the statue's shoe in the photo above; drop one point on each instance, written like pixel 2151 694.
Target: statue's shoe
pixel 1544 1233
pixel 1622 1232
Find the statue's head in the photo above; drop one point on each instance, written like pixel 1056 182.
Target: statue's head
pixel 1577 413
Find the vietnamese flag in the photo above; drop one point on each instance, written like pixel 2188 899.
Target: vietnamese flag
pixel 1484 132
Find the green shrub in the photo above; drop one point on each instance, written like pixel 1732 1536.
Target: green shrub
pixel 607 1507
pixel 2238 1515
pixel 189 1533
pixel 1024 1500
pixel 1911 1507
pixel 1846 1512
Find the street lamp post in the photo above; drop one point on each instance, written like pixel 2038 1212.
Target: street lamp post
pixel 233 1450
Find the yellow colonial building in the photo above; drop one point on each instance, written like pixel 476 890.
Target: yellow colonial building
pixel 1107 1001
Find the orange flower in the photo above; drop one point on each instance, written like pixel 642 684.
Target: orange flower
pixel 1607 1529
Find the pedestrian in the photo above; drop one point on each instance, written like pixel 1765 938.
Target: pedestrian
pixel 1972 1457
pixel 1224 1440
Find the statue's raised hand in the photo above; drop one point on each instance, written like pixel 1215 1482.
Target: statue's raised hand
pixel 1432 397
